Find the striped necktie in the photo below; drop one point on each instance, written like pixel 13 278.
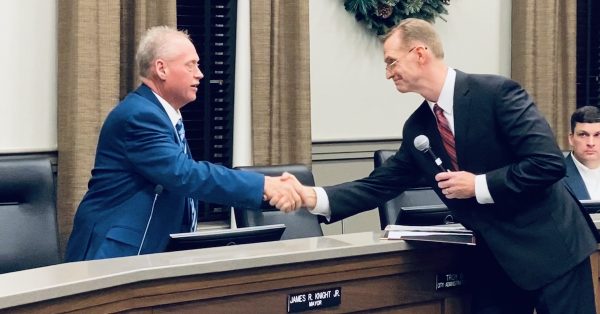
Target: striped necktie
pixel 446 133
pixel 190 204
pixel 181 133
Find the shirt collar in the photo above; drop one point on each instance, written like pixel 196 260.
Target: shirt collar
pixel 174 115
pixel 446 99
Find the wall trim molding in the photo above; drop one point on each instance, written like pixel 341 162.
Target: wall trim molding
pixel 350 150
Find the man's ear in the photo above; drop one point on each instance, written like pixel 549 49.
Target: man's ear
pixel 161 69
pixel 423 54
pixel 571 139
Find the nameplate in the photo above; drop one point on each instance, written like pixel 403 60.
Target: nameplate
pixel 312 300
pixel 449 280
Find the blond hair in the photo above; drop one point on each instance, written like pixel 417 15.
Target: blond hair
pixel 411 30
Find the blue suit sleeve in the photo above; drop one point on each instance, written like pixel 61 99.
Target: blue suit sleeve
pixel 153 151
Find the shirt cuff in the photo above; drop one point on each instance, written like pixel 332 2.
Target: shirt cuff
pixel 322 205
pixel 482 192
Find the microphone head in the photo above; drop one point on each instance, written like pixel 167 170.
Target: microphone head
pixel 158 189
pixel 421 143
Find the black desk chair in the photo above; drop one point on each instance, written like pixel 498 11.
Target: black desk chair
pixel 418 205
pixel 299 224
pixel 28 226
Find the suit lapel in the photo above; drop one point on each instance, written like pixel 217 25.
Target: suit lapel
pixel 574 179
pixel 147 93
pixel 462 116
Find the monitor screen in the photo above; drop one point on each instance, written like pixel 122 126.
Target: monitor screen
pixel 223 237
pixel 592 206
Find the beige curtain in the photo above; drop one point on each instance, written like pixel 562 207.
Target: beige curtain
pixel 96 47
pixel 280 65
pixel 544 57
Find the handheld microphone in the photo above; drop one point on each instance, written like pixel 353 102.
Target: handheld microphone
pixel 157 190
pixel 421 143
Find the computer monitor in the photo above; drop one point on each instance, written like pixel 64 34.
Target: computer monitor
pixel 223 237
pixel 592 206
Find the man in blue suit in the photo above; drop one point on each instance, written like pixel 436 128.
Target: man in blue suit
pixel 145 183
pixel 583 163
pixel 533 238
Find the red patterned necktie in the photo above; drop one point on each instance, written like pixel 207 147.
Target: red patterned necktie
pixel 446 133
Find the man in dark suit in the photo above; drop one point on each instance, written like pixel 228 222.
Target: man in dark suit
pixel 583 163
pixel 534 241
pixel 145 184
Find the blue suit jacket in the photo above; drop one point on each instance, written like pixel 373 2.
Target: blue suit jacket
pixel 137 150
pixel 574 181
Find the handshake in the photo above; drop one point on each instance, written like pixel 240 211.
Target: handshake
pixel 288 194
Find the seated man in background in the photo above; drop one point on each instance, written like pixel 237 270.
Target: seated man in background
pixel 145 184
pixel 583 163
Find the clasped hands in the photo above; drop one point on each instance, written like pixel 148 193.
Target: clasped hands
pixel 287 193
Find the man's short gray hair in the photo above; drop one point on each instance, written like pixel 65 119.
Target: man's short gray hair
pixel 154 45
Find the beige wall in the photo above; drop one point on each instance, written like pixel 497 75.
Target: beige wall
pixel 28 81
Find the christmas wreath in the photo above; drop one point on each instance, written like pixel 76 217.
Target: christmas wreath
pixel 381 15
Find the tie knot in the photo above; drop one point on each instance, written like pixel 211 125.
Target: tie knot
pixel 437 109
pixel 180 130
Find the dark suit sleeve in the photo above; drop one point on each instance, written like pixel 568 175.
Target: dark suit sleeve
pixel 154 153
pixel 383 184
pixel 538 162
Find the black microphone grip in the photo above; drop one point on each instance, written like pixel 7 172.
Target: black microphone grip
pixel 436 160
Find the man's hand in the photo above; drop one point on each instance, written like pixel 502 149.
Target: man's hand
pixel 458 184
pixel 282 193
pixel 307 193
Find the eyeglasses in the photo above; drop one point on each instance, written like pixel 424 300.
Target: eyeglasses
pixel 390 66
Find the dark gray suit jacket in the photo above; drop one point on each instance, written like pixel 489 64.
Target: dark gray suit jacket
pixel 535 229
